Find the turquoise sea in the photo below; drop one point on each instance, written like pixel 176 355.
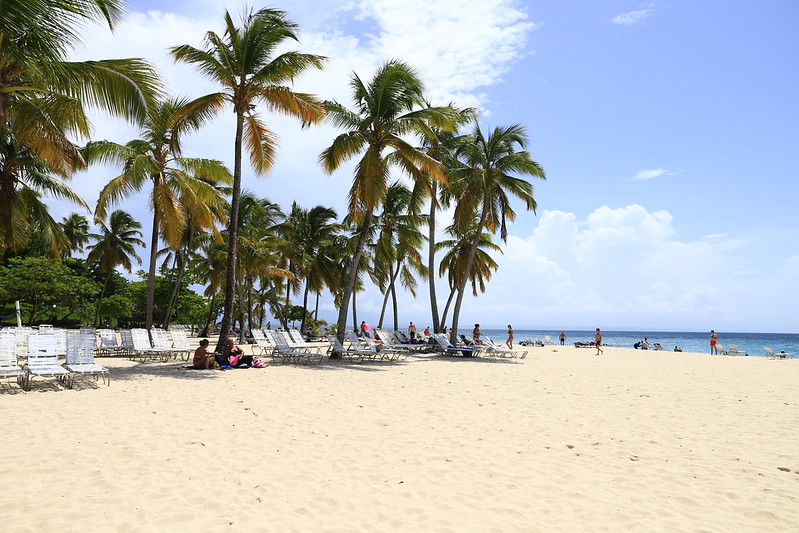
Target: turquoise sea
pixel 751 343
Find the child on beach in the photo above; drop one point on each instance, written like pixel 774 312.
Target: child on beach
pixel 598 342
pixel 202 359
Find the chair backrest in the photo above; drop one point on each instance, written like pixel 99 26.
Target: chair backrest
pixel 335 343
pixel 8 349
pixel 140 339
pixel 45 328
pixel 127 339
pixel 160 339
pixel 258 334
pixel 269 337
pixel 296 335
pixel 547 339
pixel 442 341
pixel 769 351
pixel 179 339
pixel 281 341
pixel 42 350
pixel 80 348
pixel 108 338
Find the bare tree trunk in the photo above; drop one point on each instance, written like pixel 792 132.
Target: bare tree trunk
pixel 233 235
pixel 431 259
pixel 443 321
pixel 100 301
pixel 352 274
pixel 148 317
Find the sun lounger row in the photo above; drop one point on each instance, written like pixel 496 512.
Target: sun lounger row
pixel 41 358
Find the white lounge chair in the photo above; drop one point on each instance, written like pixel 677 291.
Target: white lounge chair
pixel 547 340
pixel 9 367
pixel 771 354
pixel 732 349
pixel 504 351
pixel 451 349
pixel 143 350
pixel 266 346
pixel 180 343
pixel 43 359
pixel 80 358
pixel 292 355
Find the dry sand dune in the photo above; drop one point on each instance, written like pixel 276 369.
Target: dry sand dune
pixel 560 441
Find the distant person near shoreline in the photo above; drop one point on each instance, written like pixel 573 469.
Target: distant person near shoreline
pixel 562 338
pixel 713 339
pixel 509 342
pixel 598 342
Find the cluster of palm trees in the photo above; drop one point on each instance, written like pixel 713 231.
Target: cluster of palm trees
pixel 237 244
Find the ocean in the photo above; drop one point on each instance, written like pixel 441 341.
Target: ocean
pixel 751 343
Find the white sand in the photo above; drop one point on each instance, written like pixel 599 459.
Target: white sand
pixel 560 441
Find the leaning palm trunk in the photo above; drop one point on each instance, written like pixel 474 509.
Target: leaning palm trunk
pixel 233 235
pixel 453 334
pixel 431 261
pixel 352 275
pixel 173 295
pixel 443 320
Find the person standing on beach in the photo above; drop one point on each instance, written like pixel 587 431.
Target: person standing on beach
pixel 476 334
pixel 562 338
pixel 598 342
pixel 412 332
pixel 713 339
pixel 509 342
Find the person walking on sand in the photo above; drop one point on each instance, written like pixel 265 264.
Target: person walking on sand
pixel 713 339
pixel 509 342
pixel 598 342
pixel 562 338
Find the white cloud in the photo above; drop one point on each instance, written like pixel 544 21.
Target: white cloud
pixel 634 17
pixel 649 174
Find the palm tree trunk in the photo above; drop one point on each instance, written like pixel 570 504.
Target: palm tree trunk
pixel 354 314
pixel 100 301
pixel 173 294
pixel 453 334
pixel 148 317
pixel 352 275
pixel 394 295
pixel 207 329
pixel 443 321
pixel 431 260
pixel 233 234
pixel 304 307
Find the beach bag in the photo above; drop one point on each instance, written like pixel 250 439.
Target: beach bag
pixel 233 360
pixel 257 362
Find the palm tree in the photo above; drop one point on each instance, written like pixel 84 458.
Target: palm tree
pixel 389 107
pixel 453 263
pixel 43 101
pixel 396 254
pixel 180 185
pixel 116 246
pixel 76 231
pixel 482 181
pixel 243 61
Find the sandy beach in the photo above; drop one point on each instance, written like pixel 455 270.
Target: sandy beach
pixel 562 440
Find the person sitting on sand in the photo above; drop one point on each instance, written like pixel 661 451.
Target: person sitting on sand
pixel 509 342
pixel 235 356
pixel 427 332
pixel 202 359
pixel 598 342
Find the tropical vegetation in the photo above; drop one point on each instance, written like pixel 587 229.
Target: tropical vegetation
pixel 225 250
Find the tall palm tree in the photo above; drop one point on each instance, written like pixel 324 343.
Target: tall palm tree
pixel 245 63
pixel 43 100
pixel 180 185
pixel 116 246
pixel 388 107
pixel 482 181
pixel 76 231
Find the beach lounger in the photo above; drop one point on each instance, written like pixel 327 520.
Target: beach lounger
pixel 451 349
pixel 291 354
pixel 9 367
pixel 732 349
pixel 354 353
pixel 180 343
pixel 373 348
pixel 266 346
pixel 721 350
pixel 43 359
pixel 161 341
pixel 547 340
pixel 771 354
pixel 504 351
pixel 80 358
pixel 143 350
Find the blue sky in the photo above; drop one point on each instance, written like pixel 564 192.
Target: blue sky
pixel 667 131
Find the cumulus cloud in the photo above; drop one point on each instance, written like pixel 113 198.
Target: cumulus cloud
pixel 634 17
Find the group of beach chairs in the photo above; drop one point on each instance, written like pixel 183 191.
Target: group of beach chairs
pixel 64 355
